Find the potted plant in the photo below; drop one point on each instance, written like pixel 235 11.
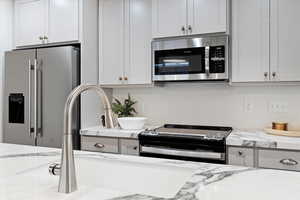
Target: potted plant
pixel 126 112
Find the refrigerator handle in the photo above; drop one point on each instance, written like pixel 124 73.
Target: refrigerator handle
pixel 30 67
pixel 35 106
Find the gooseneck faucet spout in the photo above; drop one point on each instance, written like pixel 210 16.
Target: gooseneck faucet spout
pixel 67 179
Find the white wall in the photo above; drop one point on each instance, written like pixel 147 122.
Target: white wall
pixel 6 17
pixel 216 104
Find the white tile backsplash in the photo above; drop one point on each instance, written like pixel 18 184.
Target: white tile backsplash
pixel 216 104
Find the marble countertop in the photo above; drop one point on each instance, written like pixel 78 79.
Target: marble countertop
pixel 23 175
pixel 258 138
pixel 114 132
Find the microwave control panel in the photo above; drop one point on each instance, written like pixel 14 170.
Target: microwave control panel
pixel 217 59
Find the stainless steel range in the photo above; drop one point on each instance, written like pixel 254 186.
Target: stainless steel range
pixel 186 142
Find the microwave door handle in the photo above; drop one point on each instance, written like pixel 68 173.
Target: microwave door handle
pixel 207 61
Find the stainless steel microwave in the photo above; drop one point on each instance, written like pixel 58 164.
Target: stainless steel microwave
pixel 191 59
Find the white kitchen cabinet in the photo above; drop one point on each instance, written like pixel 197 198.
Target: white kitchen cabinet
pixel 169 18
pixel 63 23
pixel 139 31
pixel 111 41
pixel 207 16
pixel 285 40
pixel 30 22
pixel 187 17
pixel 125 42
pixel 265 40
pixel 46 21
pixel 250 40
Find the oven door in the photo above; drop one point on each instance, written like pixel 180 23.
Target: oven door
pixel 179 64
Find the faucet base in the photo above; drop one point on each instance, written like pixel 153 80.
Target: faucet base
pixel 67 180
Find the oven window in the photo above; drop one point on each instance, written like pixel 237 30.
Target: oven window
pixel 180 61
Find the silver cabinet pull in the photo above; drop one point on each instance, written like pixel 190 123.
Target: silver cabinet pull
pixel 98 145
pixel 190 29
pixel 41 38
pixel 183 29
pixel 274 74
pixel 289 162
pixel 266 74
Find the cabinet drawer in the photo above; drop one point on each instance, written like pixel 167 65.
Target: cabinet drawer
pixel 287 160
pixel 241 156
pixel 99 144
pixel 129 147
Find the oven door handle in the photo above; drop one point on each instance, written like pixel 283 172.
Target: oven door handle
pixel 185 153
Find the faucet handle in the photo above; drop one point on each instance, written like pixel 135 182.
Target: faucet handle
pixel 54 169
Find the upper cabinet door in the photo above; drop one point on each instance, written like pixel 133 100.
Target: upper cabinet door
pixel 63 20
pixel 250 40
pixel 207 16
pixel 30 22
pixel 111 42
pixel 138 67
pixel 285 40
pixel 169 18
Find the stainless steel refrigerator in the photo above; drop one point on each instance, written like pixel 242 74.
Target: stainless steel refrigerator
pixel 37 83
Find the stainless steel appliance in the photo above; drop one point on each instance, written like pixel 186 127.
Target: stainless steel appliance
pixel 201 58
pixel 37 84
pixel 186 142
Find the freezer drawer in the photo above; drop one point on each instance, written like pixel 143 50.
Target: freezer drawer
pixel 241 156
pixel 100 144
pixel 275 159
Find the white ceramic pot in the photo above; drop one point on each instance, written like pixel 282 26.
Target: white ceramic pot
pixel 132 123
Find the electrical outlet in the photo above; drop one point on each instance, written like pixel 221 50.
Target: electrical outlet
pixel 248 106
pixel 278 107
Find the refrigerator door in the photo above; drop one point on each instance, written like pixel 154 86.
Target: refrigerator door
pixel 59 74
pixel 18 97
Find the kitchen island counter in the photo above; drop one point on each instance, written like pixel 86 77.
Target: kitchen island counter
pixel 24 175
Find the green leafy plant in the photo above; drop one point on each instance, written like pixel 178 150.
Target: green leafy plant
pixel 126 109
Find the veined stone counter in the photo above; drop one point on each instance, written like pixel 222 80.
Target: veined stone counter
pixel 258 138
pixel 24 175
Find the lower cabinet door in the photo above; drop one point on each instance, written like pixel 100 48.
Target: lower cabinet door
pixel 129 147
pixel 286 160
pixel 241 156
pixel 100 144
